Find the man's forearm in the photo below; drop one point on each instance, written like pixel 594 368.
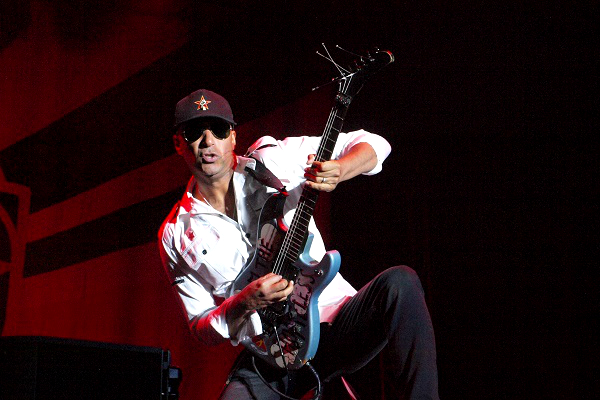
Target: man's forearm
pixel 360 159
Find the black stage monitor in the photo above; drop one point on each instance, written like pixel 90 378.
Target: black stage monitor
pixel 40 368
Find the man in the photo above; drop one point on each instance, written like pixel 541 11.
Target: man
pixel 211 234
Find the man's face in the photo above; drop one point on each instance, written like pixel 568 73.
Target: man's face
pixel 208 154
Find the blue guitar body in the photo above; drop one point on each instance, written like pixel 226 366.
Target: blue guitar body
pixel 290 335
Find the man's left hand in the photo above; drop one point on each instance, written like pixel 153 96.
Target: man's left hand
pixel 322 175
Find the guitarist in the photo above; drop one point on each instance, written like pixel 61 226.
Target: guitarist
pixel 212 232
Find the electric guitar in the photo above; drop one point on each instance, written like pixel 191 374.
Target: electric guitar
pixel 291 328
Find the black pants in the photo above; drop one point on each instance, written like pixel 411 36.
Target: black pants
pixel 387 315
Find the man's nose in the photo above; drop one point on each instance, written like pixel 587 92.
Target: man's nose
pixel 208 138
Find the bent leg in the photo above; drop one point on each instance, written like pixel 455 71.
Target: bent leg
pixel 387 314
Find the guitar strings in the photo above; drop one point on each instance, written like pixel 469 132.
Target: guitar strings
pixel 280 263
pixel 287 243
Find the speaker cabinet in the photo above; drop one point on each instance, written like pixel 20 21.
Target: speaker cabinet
pixel 40 368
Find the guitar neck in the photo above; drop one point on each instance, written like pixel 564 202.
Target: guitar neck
pixel 294 239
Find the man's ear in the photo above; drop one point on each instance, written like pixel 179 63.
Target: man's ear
pixel 179 143
pixel 233 138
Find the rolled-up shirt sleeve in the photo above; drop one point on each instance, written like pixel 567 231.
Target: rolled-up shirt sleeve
pixel 211 327
pixel 348 140
pixel 298 147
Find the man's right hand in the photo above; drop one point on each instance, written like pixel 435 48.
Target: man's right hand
pixel 266 290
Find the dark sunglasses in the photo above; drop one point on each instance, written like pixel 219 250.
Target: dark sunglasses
pixel 194 129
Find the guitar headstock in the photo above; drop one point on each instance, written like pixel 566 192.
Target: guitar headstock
pixel 363 69
pixel 351 80
pixel 372 62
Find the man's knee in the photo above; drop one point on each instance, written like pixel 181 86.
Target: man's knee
pixel 400 279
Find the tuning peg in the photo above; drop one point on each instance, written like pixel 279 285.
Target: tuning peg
pixel 359 64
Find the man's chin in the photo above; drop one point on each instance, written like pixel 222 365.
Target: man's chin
pixel 208 169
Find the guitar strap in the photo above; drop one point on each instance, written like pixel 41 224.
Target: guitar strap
pixel 262 174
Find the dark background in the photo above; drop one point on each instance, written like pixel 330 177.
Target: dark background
pixel 489 192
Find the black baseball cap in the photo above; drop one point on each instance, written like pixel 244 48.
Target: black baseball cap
pixel 203 103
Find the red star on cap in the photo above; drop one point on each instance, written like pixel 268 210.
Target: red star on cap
pixel 202 104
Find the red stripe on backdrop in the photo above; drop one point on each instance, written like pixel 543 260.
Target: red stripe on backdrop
pixel 143 183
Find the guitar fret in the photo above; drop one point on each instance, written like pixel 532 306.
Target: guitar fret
pixel 305 219
pixel 297 241
pixel 299 226
pixel 298 229
pixel 302 216
pixel 296 247
pixel 305 214
pixel 292 255
pixel 306 204
pixel 291 258
pixel 306 208
pixel 307 198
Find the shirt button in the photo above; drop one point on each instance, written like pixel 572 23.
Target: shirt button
pixel 204 251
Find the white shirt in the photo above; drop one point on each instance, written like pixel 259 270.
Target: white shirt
pixel 204 250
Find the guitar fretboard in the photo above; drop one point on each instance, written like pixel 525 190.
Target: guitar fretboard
pixel 293 243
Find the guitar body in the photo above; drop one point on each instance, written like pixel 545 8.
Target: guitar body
pixel 290 335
